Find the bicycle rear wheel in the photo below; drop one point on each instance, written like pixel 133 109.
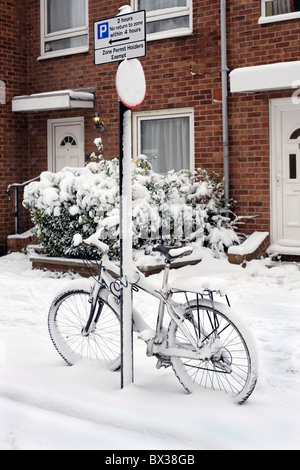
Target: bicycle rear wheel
pixel 68 316
pixel 231 363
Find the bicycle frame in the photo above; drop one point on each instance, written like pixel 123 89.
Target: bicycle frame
pixel 202 339
pixel 109 277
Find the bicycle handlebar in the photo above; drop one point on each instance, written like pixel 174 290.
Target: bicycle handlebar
pixel 92 240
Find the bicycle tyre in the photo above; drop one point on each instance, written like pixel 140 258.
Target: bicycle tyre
pixel 237 351
pixel 68 315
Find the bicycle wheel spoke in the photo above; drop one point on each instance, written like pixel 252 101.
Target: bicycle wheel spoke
pixel 67 322
pixel 227 366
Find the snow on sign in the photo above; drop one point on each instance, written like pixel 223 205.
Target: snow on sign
pixel 119 38
pixel 131 83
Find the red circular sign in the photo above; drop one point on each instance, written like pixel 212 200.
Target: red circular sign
pixel 131 83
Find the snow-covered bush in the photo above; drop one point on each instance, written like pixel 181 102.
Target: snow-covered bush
pixel 171 208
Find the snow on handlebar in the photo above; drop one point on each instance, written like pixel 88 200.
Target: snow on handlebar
pixel 92 240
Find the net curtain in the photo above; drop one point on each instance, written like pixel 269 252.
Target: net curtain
pixel 166 142
pixel 65 14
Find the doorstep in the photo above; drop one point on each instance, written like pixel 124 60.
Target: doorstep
pixel 284 253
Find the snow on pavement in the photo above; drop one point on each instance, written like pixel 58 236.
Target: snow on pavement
pixel 45 404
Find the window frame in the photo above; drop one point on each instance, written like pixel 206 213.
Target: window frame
pixel 64 34
pixel 139 116
pixel 275 18
pixel 168 13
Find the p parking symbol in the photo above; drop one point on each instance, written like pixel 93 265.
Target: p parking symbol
pixel 103 30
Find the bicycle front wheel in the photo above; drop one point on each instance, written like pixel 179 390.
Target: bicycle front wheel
pixel 230 362
pixel 68 316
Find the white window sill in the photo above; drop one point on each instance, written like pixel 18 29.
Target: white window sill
pixel 62 53
pixel 169 34
pixel 276 18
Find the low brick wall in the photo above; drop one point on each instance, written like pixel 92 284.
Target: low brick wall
pixel 258 244
pixel 77 266
pixel 64 265
pixel 20 242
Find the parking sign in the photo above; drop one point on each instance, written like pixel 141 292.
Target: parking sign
pixel 119 38
pixel 103 30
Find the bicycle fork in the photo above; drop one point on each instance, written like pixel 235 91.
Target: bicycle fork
pixel 94 315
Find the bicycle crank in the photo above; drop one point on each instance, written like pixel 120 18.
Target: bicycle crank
pixel 162 361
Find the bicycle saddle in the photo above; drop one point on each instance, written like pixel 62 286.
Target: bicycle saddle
pixel 173 252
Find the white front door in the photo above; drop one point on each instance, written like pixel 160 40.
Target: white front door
pixel 285 164
pixel 65 143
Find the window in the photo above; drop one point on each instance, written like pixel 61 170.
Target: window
pixel 279 10
pixel 64 27
pixel 166 18
pixel 166 138
pixel 295 135
pixel 68 140
pixel 293 166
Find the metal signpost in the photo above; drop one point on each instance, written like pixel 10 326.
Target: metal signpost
pixel 125 192
pixel 117 39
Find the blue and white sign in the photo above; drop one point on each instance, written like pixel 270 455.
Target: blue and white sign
pixel 103 30
pixel 119 38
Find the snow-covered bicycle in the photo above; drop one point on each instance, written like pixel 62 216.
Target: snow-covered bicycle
pixel 206 344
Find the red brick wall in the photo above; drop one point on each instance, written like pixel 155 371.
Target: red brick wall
pixel 13 129
pixel 249 44
pixel 170 83
pixel 75 71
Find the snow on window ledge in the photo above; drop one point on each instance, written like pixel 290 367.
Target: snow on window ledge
pixel 276 18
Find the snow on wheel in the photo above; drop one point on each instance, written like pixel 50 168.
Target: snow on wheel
pixel 68 316
pixel 231 363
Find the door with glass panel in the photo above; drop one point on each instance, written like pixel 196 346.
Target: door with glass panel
pixel 285 172
pixel 65 143
pixel 291 180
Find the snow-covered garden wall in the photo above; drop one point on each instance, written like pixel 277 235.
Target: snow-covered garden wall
pixel 171 208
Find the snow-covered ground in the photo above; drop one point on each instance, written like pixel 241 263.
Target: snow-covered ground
pixel 45 404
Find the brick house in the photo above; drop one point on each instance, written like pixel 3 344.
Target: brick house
pixel 50 88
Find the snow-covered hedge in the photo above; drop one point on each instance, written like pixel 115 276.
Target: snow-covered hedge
pixel 168 209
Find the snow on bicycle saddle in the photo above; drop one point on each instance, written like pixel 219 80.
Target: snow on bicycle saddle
pixel 199 284
pixel 173 252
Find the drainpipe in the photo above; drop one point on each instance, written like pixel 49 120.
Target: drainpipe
pixel 224 74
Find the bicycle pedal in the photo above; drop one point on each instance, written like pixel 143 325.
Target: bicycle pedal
pixel 162 363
